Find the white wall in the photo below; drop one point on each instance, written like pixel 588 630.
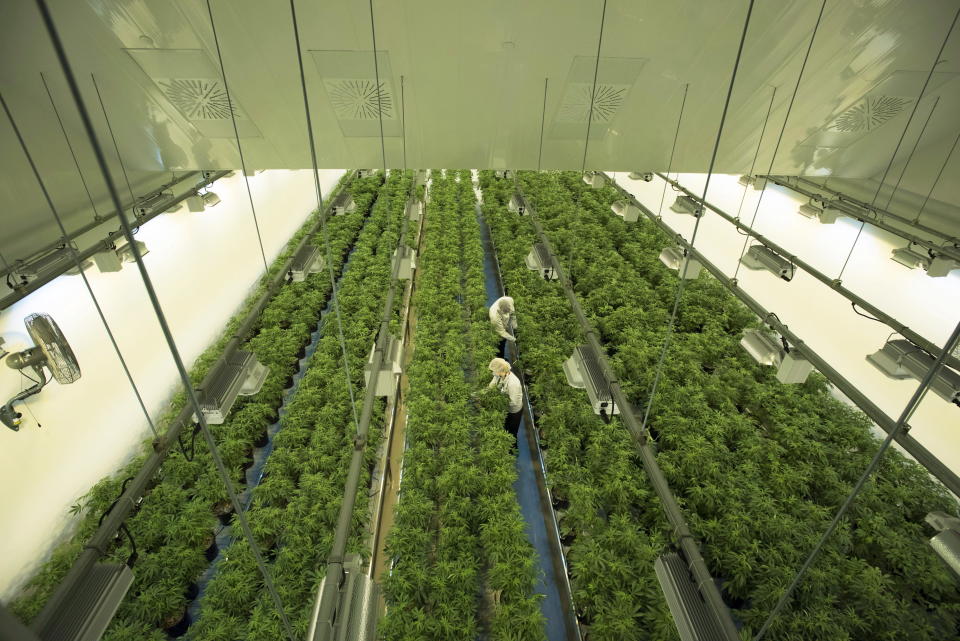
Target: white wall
pixel 202 265
pixel 818 315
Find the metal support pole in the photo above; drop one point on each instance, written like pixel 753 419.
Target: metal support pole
pixel 922 455
pixel 688 544
pixel 926 345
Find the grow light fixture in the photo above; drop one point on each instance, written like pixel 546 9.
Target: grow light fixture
pixel 756 182
pixel 365 173
pixel 414 209
pixel 676 257
pixel 240 375
pixel 593 178
pixel 766 349
pixel 691 615
pixel 307 261
pixel 147 203
pixel 947 543
pixel 354 616
pixel 210 199
pixel 112 260
pixel 901 359
pixel 762 257
pixel 645 176
pixel 626 210
pixel 386 379
pixel 408 261
pixel 499 173
pixel 941 266
pixel 343 204
pixel 540 261
pixel 51 261
pixel 909 258
pixel 86 611
pixel 811 209
pixel 687 205
pixel 518 204
pixel 583 371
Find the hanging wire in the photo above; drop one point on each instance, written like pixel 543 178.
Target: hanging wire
pixel 783 129
pixel 903 134
pixel 403 124
pixel 696 227
pixel 161 317
pixel 76 163
pixel 937 179
pixel 335 298
pixel 543 117
pixel 236 134
pixel 906 165
pixel 376 74
pixel 743 198
pixel 116 147
pixel 79 263
pixel 593 90
pixel 673 149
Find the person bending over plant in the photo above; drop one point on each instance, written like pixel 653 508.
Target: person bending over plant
pixel 508 383
pixel 504 321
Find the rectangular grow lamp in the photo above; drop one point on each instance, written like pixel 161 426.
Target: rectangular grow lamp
pixel 517 204
pixel 354 616
pixel 583 371
pixel 146 204
pixel 343 204
pixel 687 205
pixel 540 261
pixel 762 257
pixel 676 257
pixel 829 214
pixel 901 359
pixel 125 253
pixel 86 611
pixel 691 614
pixel 414 209
pixel 767 349
pixel 909 258
pixel 408 261
pixel 498 173
pixel 307 261
pixel 594 179
pixel 626 210
pixel 386 379
pixel 645 176
pixel 811 209
pixel 756 182
pixel 941 266
pixel 365 173
pixel 240 375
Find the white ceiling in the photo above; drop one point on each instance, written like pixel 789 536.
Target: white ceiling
pixel 473 76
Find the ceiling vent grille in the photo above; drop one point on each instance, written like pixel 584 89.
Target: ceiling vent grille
pixel 359 98
pixel 869 114
pixel 607 100
pixel 198 98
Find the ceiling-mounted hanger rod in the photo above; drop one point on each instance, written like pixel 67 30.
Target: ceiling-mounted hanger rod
pixel 99 220
pixel 922 455
pixel 872 215
pixel 928 346
pixel 687 542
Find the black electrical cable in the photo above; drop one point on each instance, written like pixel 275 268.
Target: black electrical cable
pixel 236 134
pixel 543 117
pixel 853 304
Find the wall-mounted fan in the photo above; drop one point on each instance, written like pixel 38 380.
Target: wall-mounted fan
pixel 50 350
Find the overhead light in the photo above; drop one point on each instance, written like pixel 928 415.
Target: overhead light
pixel 909 258
pixel 498 173
pixel 408 261
pixel 414 209
pixel 901 359
pixel 941 266
pixel 593 178
pixel 343 203
pixel 810 209
pixel 386 379
pixel 583 371
pixel 645 176
pixel 756 182
pixel 762 257
pixel 626 210
pixel 687 205
pixel 307 261
pixel 824 212
pixel 676 257
pixel 365 173
pixel 947 543
pixel 767 349
pixel 29 270
pixel 89 606
pixel 540 261
pixel 240 375
pixel 691 615
pixel 210 199
pixel 517 204
pixel 126 253
pixel 147 203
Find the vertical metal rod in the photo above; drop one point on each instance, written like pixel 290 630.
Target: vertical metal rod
pixel 673 149
pixel 916 144
pixel 78 262
pixel 593 90
pixel 403 123
pixel 236 135
pixel 113 137
pixel 161 318
pixel 376 73
pixel 937 179
pixel 900 426
pixel 543 118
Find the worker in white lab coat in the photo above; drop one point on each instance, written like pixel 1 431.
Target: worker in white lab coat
pixel 504 320
pixel 508 383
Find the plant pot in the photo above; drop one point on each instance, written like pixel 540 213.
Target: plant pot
pixel 288 383
pixel 211 551
pixel 176 624
pixel 567 539
pixel 223 511
pixel 262 439
pixel 192 592
pixel 560 503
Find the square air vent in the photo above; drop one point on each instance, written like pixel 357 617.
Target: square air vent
pixel 359 98
pixel 361 94
pixel 198 98
pixel 580 101
pixel 869 113
pixel 606 102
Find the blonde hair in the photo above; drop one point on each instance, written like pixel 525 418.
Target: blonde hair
pixel 499 366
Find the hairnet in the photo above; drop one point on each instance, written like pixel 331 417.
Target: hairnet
pixel 506 304
pixel 499 366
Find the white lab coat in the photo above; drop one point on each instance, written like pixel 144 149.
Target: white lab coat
pixel 503 322
pixel 510 385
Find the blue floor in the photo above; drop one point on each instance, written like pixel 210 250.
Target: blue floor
pixel 526 485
